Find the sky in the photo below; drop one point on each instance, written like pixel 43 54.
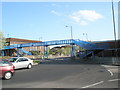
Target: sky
pixel 46 21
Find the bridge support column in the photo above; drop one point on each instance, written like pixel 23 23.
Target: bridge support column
pixel 19 52
pixel 93 54
pixel 46 52
pixel 2 53
pixel 72 51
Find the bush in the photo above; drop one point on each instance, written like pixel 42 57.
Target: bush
pixel 36 61
pixel 5 57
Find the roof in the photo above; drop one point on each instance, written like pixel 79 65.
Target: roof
pixel 21 40
pixel 108 41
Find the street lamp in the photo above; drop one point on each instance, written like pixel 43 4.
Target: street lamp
pixel 40 38
pixel 71 31
pixel 8 36
pixel 72 49
pixel 86 36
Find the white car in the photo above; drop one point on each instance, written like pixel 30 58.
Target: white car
pixel 21 62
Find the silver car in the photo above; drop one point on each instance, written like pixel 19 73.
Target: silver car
pixel 21 62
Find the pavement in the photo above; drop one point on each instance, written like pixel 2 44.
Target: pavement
pixel 35 63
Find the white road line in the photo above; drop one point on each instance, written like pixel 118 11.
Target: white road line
pixel 109 66
pixel 113 80
pixel 110 72
pixel 93 84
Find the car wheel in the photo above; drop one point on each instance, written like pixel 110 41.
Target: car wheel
pixel 29 66
pixel 8 75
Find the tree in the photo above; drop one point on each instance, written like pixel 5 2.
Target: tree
pixel 2 41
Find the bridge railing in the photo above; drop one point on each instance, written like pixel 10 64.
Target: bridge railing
pixel 84 44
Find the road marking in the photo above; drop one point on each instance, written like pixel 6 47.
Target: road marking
pixel 114 80
pixel 109 66
pixel 110 72
pixel 93 84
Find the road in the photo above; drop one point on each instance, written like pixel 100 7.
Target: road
pixel 65 74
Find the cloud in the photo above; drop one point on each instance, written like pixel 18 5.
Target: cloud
pixel 84 17
pixel 56 13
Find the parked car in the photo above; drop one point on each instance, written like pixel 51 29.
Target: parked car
pixel 6 69
pixel 21 62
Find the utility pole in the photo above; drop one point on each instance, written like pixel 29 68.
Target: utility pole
pixel 113 14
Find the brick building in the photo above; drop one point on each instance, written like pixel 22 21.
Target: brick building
pixel 11 41
pixel 113 48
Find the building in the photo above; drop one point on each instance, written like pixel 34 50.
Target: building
pixel 113 48
pixel 12 52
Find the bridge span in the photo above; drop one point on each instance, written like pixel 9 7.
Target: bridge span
pixel 89 47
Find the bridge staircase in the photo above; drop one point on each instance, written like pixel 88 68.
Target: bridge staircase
pixel 22 51
pixel 89 53
pixel 90 49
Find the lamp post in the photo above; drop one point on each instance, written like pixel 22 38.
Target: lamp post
pixel 86 36
pixel 71 31
pixel 8 41
pixel 8 36
pixel 40 38
pixel 72 47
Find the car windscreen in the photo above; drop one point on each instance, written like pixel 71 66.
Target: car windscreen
pixel 4 63
pixel 12 59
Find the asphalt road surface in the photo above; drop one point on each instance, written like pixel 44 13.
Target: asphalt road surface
pixel 62 73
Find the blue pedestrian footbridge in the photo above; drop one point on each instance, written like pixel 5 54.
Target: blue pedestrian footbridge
pixel 87 46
